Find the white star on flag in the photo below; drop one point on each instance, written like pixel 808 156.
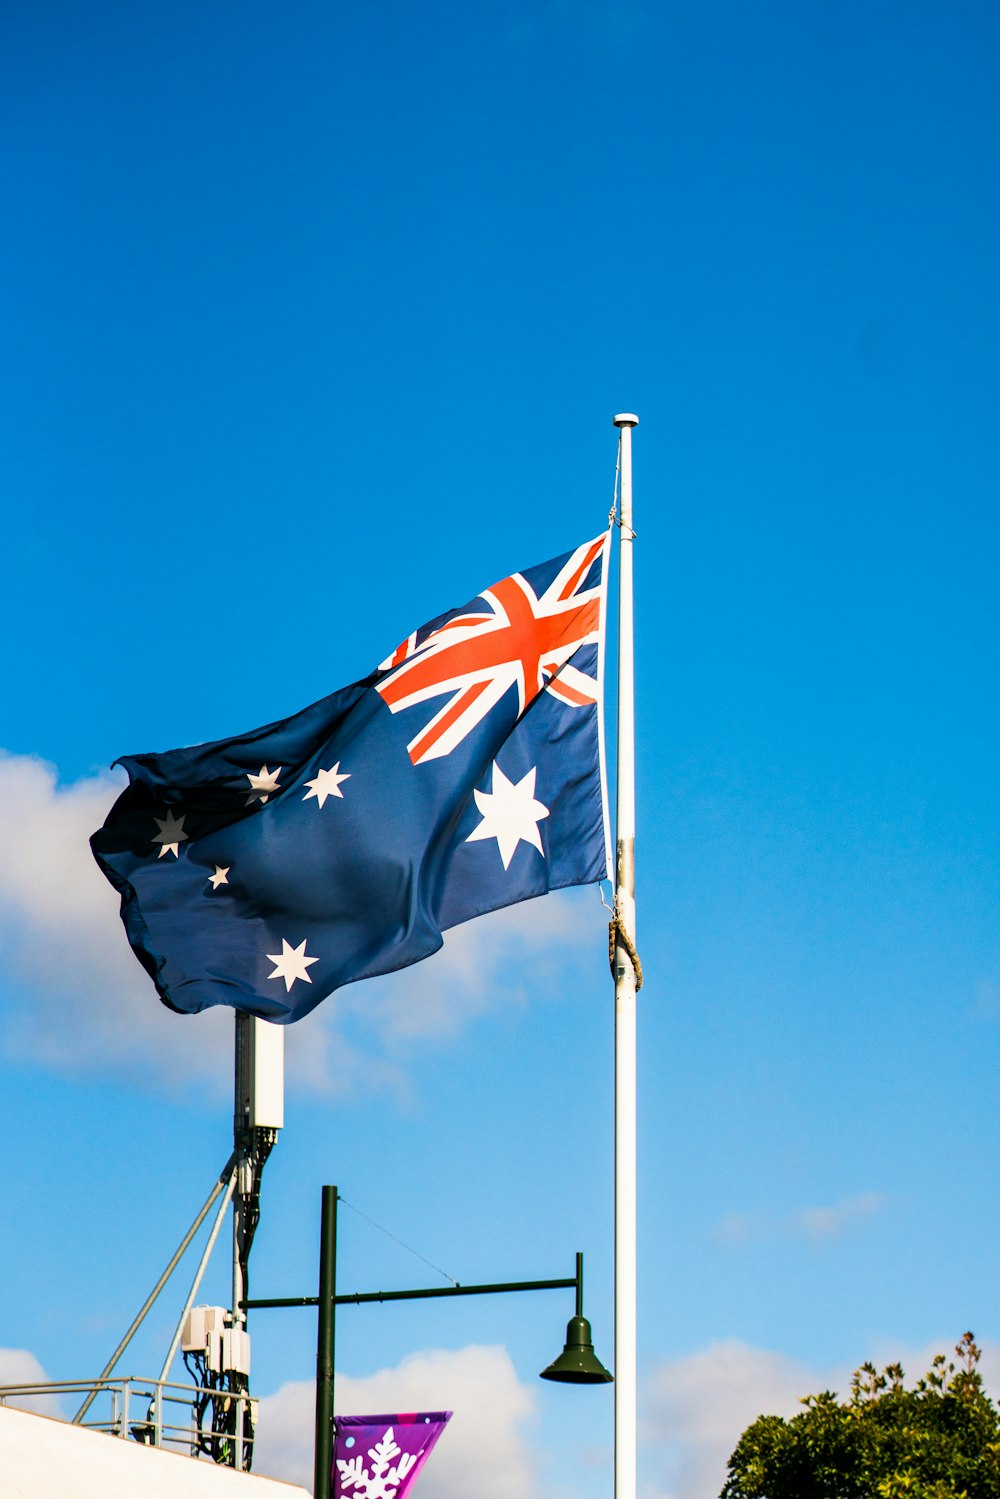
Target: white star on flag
pixel 220 877
pixel 291 963
pixel 263 784
pixel 171 834
pixel 510 814
pixel 327 783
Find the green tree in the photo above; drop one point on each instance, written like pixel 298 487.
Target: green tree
pixel 938 1440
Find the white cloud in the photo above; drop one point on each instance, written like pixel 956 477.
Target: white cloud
pixel 19 1367
pixel 818 1224
pixel 373 1030
pixel 741 1228
pixel 482 1451
pixel 987 1002
pixel 823 1223
pixel 989 1368
pixel 696 1408
pixel 85 1004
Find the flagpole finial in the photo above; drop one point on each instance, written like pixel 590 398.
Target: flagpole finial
pixel 625 419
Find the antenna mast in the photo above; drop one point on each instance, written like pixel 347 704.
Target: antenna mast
pixel 258 1114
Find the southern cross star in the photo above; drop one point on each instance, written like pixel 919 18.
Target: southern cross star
pixel 263 784
pixel 291 963
pixel 171 834
pixel 327 783
pixel 510 814
pixel 220 877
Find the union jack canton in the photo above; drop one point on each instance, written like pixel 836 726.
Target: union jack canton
pixel 520 640
pixel 465 774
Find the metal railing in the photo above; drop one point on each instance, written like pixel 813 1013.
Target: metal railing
pixel 144 1410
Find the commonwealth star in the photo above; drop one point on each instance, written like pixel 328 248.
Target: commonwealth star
pixel 291 963
pixel 171 834
pixel 510 814
pixel 327 783
pixel 263 784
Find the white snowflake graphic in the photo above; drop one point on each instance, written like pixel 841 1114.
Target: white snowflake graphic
pixel 385 1477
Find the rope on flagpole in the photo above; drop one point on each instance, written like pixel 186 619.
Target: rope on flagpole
pixel 614 519
pixel 619 937
pixel 613 512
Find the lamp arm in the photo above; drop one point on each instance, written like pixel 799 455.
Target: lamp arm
pixel 357 1298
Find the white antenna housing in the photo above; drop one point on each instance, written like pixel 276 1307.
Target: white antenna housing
pixel 265 1075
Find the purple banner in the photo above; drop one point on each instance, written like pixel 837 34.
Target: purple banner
pixel 379 1457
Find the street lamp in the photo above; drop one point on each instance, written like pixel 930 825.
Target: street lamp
pixel 577 1364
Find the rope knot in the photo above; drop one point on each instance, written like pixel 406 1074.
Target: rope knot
pixel 619 937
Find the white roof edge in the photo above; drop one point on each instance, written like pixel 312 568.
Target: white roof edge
pixel 45 1458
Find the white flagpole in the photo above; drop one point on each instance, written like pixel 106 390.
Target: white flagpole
pixel 625 1008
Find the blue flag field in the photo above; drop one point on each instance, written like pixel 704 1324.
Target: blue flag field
pixel 465 774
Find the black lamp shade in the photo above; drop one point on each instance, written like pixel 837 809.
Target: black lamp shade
pixel 578 1364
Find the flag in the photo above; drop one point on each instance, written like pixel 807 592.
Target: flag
pixel 382 1455
pixel 463 775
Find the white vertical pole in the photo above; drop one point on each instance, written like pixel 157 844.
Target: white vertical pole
pixel 242 1094
pixel 258 1104
pixel 625 989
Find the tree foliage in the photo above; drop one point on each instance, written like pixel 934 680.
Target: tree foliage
pixel 938 1440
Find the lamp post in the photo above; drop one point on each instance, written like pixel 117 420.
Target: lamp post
pixel 577 1364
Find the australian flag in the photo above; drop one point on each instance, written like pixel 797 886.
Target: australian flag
pixel 463 775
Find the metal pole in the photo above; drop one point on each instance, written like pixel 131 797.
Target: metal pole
pixel 625 988
pixel 175 1258
pixel 323 1467
pixel 361 1298
pixel 241 1149
pixel 198 1274
pixel 258 1114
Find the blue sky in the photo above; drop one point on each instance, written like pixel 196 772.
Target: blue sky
pixel 314 323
